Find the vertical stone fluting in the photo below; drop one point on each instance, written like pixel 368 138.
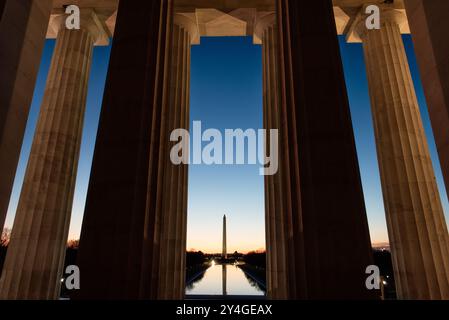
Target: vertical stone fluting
pixel 23 26
pixel 120 236
pixel 185 172
pixel 328 243
pixel 277 282
pixel 416 224
pixel 174 206
pixel 429 24
pixel 139 237
pixel 33 266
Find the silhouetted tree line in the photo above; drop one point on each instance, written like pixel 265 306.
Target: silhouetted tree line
pixel 382 259
pixel 3 249
pixel 195 258
pixel 255 265
pixel 196 264
pixel 4 241
pixel 256 259
pixel 71 253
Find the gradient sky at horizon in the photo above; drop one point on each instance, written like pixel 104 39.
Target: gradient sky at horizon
pixel 226 92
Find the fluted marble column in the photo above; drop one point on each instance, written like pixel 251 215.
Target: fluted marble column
pixel 429 24
pixel 34 262
pixel 23 25
pixel 277 281
pixel 171 275
pixel 328 245
pixel 123 226
pixel 416 224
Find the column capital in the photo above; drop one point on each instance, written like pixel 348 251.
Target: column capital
pixel 388 15
pixel 263 21
pixel 90 22
pixel 189 25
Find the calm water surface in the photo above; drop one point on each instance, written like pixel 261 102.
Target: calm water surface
pixel 224 280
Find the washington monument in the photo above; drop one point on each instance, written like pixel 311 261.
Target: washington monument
pixel 224 253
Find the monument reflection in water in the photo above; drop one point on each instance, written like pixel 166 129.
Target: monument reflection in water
pixel 226 279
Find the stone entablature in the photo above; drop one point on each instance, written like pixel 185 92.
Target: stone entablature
pixel 227 18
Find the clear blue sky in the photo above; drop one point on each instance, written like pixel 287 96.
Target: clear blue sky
pixel 226 92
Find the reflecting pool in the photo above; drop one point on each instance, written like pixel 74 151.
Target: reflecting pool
pixel 224 279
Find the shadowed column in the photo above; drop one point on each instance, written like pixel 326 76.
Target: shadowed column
pixel 429 24
pixel 122 232
pixel 34 262
pixel 2 6
pixel 23 26
pixel 416 225
pixel 326 224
